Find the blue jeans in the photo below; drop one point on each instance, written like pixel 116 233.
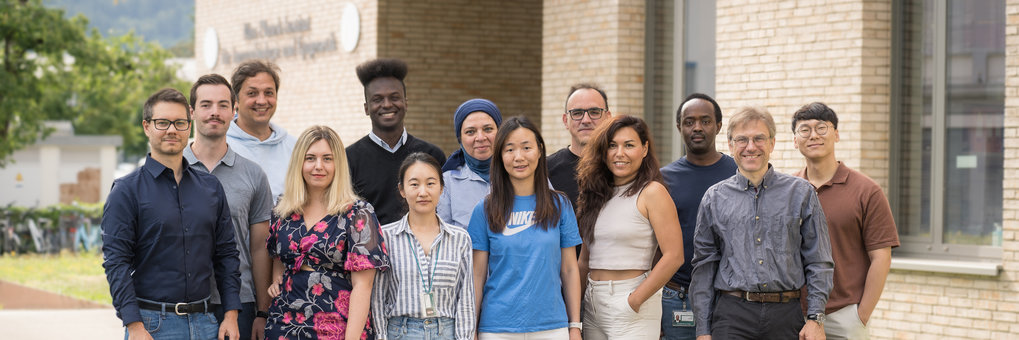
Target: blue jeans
pixel 170 326
pixel 674 302
pixel 245 317
pixel 402 327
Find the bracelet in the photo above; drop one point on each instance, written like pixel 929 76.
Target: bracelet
pixel 577 325
pixel 262 314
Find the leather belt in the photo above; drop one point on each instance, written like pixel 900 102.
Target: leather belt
pixel 675 286
pixel 178 308
pixel 782 297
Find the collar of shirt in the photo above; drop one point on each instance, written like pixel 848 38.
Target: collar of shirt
pixel 841 176
pixel 378 140
pixel 464 173
pixel 155 168
pixel 228 158
pixel 404 227
pixel 744 182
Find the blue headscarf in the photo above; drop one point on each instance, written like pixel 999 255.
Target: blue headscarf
pixel 460 157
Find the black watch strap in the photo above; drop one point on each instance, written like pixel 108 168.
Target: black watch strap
pixel 262 314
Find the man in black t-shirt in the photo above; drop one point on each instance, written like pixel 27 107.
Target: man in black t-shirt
pixel 586 106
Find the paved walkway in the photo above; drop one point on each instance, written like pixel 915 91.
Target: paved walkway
pixel 29 313
pixel 83 324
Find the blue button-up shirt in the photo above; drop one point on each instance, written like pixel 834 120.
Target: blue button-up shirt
pixel 769 238
pixel 163 241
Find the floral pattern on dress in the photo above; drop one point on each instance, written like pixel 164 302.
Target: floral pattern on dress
pixel 315 304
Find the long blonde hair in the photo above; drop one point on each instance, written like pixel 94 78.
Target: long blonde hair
pixel 340 193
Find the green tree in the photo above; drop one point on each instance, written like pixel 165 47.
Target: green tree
pixel 102 92
pixel 52 69
pixel 34 39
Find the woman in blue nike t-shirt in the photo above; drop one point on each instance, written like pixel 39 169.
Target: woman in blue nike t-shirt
pixel 526 277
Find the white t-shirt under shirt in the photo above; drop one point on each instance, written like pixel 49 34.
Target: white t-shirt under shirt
pixel 523 292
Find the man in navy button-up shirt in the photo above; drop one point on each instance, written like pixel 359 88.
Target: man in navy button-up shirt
pixel 166 231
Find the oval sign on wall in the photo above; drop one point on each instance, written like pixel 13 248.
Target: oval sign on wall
pixel 210 45
pixel 350 27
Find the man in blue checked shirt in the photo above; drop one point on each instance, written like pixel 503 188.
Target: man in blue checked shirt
pixel 761 236
pixel 166 231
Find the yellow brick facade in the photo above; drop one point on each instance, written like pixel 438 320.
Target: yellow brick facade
pixel 455 51
pixel 524 55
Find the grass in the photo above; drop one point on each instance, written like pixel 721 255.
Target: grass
pixel 77 275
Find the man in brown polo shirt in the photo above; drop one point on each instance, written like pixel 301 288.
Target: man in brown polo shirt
pixel 860 223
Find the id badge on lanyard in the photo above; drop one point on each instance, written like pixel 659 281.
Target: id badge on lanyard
pixel 427 298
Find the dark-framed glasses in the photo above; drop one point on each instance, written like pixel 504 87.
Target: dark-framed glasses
pixel 578 114
pixel 164 124
pixel 804 130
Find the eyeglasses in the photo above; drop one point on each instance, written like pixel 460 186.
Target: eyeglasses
pixel 804 130
pixel 742 141
pixel 164 124
pixel 578 114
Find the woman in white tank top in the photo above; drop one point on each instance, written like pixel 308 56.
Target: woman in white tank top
pixel 624 214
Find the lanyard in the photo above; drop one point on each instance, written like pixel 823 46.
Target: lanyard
pixel 435 260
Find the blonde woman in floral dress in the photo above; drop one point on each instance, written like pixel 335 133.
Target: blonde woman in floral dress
pixel 324 269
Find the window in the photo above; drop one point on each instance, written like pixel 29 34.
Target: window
pixel 948 102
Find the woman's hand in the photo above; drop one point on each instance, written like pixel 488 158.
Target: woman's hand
pixel 276 287
pixel 634 305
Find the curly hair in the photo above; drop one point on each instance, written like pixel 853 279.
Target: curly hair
pixel 596 182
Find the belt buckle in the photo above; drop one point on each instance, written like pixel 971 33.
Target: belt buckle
pixel 176 308
pixel 747 295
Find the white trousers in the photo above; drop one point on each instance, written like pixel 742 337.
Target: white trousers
pixel 607 314
pixel 845 324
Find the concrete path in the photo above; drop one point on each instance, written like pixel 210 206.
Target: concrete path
pixel 83 324
pixel 27 313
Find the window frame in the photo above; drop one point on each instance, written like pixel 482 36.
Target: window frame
pixel 932 246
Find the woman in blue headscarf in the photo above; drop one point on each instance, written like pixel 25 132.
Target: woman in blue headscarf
pixel 476 122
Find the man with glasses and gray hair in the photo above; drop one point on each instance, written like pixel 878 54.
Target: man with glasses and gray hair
pixel 761 237
pixel 166 233
pixel 586 106
pixel 859 220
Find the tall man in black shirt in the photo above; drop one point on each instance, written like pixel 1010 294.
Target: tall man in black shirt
pixel 586 106
pixel 375 159
pixel 166 232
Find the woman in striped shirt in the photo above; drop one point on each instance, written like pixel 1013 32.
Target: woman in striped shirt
pixel 428 292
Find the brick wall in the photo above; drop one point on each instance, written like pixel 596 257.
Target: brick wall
pixel 922 305
pixel 783 54
pixel 596 41
pixel 458 50
pixel 321 90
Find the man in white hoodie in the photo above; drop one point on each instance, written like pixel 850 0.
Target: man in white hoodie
pixel 251 134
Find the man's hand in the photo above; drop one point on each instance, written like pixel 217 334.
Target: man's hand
pixel 258 329
pixel 136 331
pixel 229 326
pixel 812 331
pixel 704 337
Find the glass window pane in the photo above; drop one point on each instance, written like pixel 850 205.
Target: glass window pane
pixel 975 99
pixel 913 205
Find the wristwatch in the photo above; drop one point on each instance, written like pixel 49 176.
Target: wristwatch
pixel 262 314
pixel 577 325
pixel 818 317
